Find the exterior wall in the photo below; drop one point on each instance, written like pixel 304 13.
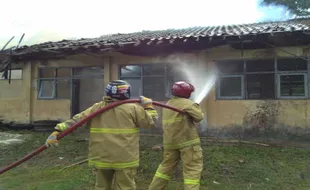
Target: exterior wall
pixel 229 116
pixel 47 109
pixel 58 109
pixel 194 58
pixel 21 103
pixel 15 97
pixel 286 116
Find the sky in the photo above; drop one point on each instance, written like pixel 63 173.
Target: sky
pixel 43 21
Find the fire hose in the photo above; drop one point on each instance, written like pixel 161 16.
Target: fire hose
pixel 78 124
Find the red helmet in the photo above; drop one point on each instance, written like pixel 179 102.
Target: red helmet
pixel 182 89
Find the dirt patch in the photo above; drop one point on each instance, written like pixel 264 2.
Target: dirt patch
pixel 10 138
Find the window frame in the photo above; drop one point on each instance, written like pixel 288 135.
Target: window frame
pixel 54 79
pixel 218 88
pixel 142 76
pixel 53 97
pixel 75 76
pixel 277 81
pixel 19 69
pixel 69 78
pixel 260 73
pixel 291 74
pixel 222 75
pixel 134 77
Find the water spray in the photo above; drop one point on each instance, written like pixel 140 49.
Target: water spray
pixel 202 93
pixel 201 79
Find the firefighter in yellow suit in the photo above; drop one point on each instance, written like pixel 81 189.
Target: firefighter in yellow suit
pixel 181 141
pixel 114 137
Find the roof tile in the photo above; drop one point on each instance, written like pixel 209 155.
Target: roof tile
pixel 171 35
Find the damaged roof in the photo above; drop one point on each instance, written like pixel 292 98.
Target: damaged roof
pixel 117 42
pixel 210 31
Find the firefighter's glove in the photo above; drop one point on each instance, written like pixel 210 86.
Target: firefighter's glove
pixel 147 103
pixel 52 139
pixel 152 112
pixel 204 118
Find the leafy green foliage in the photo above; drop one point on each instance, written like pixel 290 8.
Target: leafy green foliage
pixel 296 7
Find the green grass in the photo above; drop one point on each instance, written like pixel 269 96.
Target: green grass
pixel 233 167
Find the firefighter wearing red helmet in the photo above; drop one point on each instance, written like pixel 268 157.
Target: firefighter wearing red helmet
pixel 181 140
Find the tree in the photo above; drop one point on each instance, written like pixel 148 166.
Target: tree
pixel 296 7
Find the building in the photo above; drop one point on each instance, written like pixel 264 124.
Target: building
pixel 262 82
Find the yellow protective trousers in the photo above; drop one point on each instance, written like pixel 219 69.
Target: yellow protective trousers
pixel 108 179
pixel 192 163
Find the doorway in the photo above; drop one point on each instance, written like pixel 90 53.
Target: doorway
pixel 87 88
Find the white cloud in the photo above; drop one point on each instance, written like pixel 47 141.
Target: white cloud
pixel 56 20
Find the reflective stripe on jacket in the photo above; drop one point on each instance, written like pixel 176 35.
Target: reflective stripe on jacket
pixel 179 129
pixel 114 135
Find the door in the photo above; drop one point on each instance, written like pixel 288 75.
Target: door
pixel 75 97
pixel 88 88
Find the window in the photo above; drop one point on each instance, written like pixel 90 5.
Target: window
pixel 260 86
pixel 260 65
pixel 15 74
pixel 148 80
pixel 81 72
pixel 230 84
pixel 54 83
pixel 136 87
pixel 154 87
pixel 259 79
pixel 292 85
pixel 292 78
pixel 63 72
pixel 174 74
pixel 63 88
pixel 230 67
pixel 154 70
pixel 132 74
pixel 46 88
pixel 151 80
pixel 292 64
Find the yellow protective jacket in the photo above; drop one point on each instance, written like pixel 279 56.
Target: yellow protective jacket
pixel 114 134
pixel 179 129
